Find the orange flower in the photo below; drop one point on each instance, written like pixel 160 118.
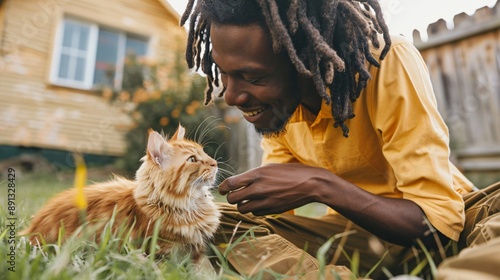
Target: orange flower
pixel 175 113
pixel 140 96
pixel 164 121
pixel 156 95
pixel 196 104
pixel 124 96
pixel 190 110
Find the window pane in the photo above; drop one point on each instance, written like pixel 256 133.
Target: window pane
pixel 80 69
pixel 69 29
pixel 106 58
pixel 64 67
pixel 84 38
pixel 136 46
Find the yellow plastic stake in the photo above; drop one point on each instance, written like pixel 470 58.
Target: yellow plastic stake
pixel 80 180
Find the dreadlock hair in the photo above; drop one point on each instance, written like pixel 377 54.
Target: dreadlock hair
pixel 327 40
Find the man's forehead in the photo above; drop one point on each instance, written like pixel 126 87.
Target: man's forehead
pixel 242 41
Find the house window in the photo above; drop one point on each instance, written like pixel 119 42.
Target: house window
pixel 89 56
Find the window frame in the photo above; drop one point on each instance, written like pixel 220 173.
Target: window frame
pixel 88 80
pixel 91 56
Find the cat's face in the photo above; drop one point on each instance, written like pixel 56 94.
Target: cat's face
pixel 191 160
pixel 183 159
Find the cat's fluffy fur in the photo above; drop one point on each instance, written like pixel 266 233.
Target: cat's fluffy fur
pixel 172 183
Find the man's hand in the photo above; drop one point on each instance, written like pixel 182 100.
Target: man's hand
pixel 274 188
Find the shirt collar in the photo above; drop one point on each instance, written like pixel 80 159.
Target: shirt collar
pixel 302 114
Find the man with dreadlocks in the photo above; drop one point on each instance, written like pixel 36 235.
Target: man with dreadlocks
pixel 348 119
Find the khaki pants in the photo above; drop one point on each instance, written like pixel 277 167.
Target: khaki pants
pixel 287 244
pixel 480 239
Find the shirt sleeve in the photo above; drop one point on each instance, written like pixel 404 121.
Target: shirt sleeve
pixel 414 136
pixel 275 151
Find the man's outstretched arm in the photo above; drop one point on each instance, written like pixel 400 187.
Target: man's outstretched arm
pixel 277 188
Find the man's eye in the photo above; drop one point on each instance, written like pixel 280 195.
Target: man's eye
pixel 253 81
pixel 191 159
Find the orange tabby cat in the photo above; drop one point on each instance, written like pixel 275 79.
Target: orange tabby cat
pixel 172 183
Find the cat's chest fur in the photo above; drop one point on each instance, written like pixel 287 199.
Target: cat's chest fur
pixel 195 222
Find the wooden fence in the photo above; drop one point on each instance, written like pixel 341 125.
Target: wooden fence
pixel 464 65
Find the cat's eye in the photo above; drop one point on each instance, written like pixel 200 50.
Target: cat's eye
pixel 191 159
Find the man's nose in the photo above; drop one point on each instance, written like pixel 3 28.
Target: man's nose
pixel 236 94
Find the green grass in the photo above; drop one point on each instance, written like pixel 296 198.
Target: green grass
pixel 82 258
pixel 79 257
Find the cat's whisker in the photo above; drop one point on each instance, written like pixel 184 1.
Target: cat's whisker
pixel 199 126
pixel 217 150
pixel 227 165
pixel 204 145
pixel 206 132
pixel 225 171
pixel 197 181
pixel 226 162
pixel 206 129
pixel 222 175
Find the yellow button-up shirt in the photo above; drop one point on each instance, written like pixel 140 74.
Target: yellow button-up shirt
pixel 397 145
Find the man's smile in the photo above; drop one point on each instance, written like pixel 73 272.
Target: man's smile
pixel 254 112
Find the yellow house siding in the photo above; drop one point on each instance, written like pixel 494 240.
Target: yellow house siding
pixel 36 113
pixel 27 25
pixel 70 122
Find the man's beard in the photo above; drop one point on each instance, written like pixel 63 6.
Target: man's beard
pixel 278 123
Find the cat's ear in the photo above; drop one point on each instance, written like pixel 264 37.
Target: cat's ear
pixel 179 134
pixel 158 149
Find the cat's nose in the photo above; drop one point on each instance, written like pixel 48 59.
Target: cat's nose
pixel 212 162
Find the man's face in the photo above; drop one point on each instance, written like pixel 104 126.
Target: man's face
pixel 260 83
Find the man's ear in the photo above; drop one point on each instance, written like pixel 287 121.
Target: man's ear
pixel 158 150
pixel 179 134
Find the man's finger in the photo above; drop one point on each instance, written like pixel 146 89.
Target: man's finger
pixel 236 182
pixel 234 197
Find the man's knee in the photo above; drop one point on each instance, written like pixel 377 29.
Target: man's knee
pixel 485 230
pixel 481 216
pixel 480 261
